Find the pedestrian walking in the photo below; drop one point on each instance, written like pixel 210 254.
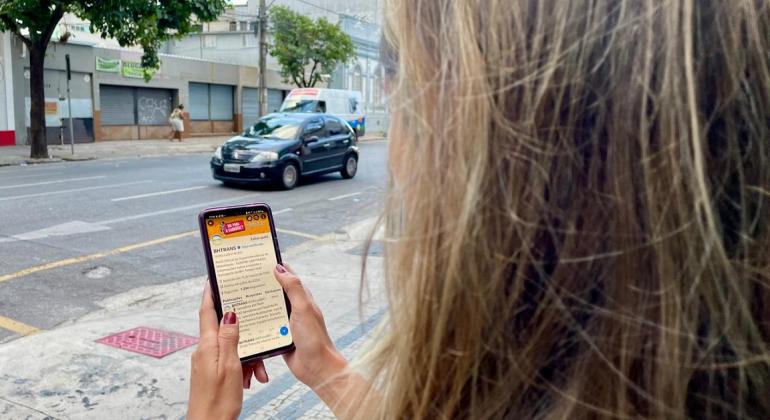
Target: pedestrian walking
pixel 577 224
pixel 176 120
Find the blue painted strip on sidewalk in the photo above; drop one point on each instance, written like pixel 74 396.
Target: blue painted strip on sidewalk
pixel 309 399
pixel 287 380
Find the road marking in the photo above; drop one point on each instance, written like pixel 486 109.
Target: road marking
pixel 74 190
pixel 199 206
pixel 17 326
pixel 283 211
pixel 76 260
pixel 133 197
pixel 58 181
pixel 340 197
pixel 300 234
pixel 64 229
pixel 8 178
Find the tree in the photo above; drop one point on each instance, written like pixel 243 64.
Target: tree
pixel 305 48
pixel 147 23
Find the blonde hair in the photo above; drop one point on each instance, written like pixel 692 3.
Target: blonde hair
pixel 582 211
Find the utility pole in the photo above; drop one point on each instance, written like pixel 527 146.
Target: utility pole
pixel 69 104
pixel 262 28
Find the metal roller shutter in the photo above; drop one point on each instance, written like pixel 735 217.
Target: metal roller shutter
pixel 154 106
pixel 221 102
pixel 117 105
pixel 199 101
pixel 250 106
pixel 274 100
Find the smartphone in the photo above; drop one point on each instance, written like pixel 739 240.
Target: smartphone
pixel 241 249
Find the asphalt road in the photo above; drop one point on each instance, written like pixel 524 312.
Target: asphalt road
pixel 72 234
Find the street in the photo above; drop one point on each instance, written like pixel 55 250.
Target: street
pixel 76 235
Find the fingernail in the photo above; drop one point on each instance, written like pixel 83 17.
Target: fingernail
pixel 247 383
pixel 280 268
pixel 230 318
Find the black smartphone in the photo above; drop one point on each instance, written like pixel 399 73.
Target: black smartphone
pixel 241 250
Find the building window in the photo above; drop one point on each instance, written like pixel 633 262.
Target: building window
pixel 358 79
pixel 233 26
pixel 249 40
pixel 210 41
pixel 244 26
pixel 253 26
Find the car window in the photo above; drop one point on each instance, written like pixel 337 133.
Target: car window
pixel 303 105
pixel 334 127
pixel 274 128
pixel 319 132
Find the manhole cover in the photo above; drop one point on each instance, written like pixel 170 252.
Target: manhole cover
pixel 97 272
pixel 149 341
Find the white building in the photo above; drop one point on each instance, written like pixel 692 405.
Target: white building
pixel 233 39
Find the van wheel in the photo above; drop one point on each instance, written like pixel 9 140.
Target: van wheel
pixel 350 167
pixel 289 176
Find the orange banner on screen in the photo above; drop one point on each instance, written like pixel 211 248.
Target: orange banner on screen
pixel 236 226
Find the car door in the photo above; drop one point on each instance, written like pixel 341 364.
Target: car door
pixel 339 140
pixel 315 148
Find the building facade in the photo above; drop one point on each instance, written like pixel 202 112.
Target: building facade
pixel 233 39
pixel 214 73
pixel 112 101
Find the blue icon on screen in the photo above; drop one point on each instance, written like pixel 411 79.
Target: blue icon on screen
pixel 284 330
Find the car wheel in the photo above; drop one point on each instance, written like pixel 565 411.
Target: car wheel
pixel 289 176
pixel 350 168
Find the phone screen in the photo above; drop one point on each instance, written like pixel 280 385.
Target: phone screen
pixel 244 256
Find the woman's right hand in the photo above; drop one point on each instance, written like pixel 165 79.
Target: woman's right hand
pixel 315 360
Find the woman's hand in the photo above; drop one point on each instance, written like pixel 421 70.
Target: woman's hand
pixel 315 360
pixel 218 378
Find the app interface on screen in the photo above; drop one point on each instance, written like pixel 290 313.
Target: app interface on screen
pixel 244 258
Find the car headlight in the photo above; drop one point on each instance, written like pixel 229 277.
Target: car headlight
pixel 218 153
pixel 265 157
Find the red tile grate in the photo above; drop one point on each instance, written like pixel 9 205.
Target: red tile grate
pixel 149 341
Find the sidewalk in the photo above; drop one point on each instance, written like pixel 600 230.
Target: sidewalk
pixel 114 149
pixel 64 373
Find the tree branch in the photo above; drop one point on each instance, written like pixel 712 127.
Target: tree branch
pixel 58 13
pixel 7 21
pixel 312 71
pixel 296 82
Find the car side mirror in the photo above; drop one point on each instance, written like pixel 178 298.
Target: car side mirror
pixel 311 139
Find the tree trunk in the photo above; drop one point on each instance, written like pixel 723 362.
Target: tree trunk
pixel 37 138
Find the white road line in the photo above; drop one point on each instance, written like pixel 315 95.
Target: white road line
pixel 340 197
pixel 9 178
pixel 134 197
pixel 283 211
pixel 58 181
pixel 199 206
pixel 99 187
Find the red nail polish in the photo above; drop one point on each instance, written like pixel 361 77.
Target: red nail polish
pixel 230 318
pixel 280 268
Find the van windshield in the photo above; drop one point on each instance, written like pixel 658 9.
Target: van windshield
pixel 274 128
pixel 303 105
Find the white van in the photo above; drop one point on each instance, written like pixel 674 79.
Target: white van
pixel 345 104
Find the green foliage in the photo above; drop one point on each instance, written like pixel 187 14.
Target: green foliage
pixel 306 49
pixel 147 23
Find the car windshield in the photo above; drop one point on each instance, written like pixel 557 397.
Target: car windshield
pixel 300 105
pixel 274 128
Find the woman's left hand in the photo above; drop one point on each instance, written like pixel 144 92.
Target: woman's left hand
pixel 218 378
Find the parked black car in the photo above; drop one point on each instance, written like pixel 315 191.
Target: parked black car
pixel 284 147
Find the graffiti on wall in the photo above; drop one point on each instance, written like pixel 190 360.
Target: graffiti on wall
pixel 153 111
